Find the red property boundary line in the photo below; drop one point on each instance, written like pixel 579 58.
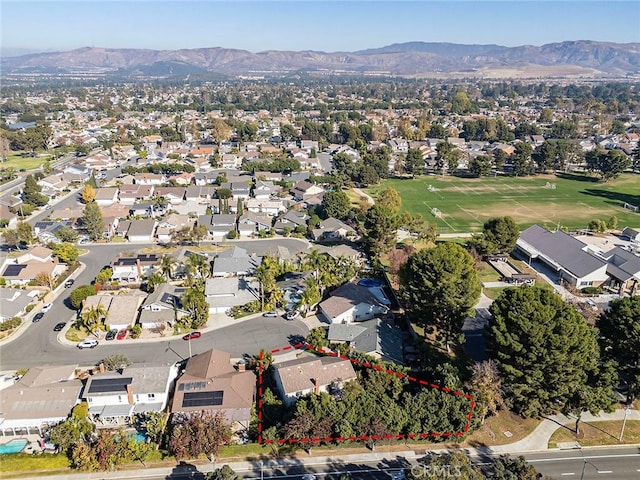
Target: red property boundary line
pixel 364 438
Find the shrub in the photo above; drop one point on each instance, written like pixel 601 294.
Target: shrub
pixel 232 234
pixel 10 324
pixel 135 331
pixel 591 290
pixel 30 307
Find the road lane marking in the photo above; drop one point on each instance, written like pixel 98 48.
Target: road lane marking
pixel 567 474
pixel 605 471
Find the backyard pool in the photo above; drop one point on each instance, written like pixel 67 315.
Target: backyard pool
pixel 140 437
pixel 370 282
pixel 14 446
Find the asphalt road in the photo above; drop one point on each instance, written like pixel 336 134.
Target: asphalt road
pixel 38 345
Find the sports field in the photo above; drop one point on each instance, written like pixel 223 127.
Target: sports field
pixel 571 201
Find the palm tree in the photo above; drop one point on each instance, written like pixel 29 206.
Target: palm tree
pixel 166 265
pixel 311 295
pixel 94 315
pixel 199 264
pixel 315 260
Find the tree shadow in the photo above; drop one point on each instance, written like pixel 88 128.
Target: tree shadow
pixel 617 198
pixel 578 177
pixel 185 470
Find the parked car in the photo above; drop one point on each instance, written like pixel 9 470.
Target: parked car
pixel 272 313
pixel 87 344
pixel 59 326
pixel 111 334
pixel 192 335
pixel 293 314
pixel 37 317
pixel 122 334
pixel 46 307
pixel 69 283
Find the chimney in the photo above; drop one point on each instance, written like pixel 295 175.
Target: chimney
pixel 130 394
pixel 316 383
pixel 101 367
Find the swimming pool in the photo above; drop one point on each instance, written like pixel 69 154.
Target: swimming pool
pixel 14 446
pixel 140 437
pixel 370 282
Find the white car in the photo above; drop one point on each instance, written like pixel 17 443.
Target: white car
pixel 293 314
pixel 87 344
pixel 46 307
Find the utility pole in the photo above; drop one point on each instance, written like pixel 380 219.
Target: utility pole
pixel 624 422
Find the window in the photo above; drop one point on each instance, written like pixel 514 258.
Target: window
pixel 119 399
pixel 151 396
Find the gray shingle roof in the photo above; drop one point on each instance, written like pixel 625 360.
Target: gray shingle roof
pixel 560 248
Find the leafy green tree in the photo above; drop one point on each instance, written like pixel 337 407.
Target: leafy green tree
pixel 414 162
pixel 455 464
pixel 31 192
pixel 82 457
pixel 336 204
pixel 609 164
pixel 194 302
pixel 75 429
pixel 223 473
pixel 506 467
pixel 153 280
pixel 546 353
pixel 66 252
pixel 117 361
pixel 94 316
pixel 104 276
pixel 439 287
pixel 67 234
pixel 317 337
pixel 154 424
pixel 10 237
pixel 92 220
pixel 24 231
pixel 499 235
pixel 480 166
pixel 447 156
pixel 620 340
pixel 78 295
pixel 522 160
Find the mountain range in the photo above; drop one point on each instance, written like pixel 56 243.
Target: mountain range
pixel 412 59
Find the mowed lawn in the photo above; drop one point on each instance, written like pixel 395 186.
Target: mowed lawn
pixel 17 161
pixel 465 204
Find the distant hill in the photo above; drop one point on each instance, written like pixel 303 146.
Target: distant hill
pixel 404 59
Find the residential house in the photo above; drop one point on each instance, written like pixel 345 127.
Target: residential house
pixel 218 225
pixel 133 269
pixel 352 303
pixel 301 376
pixel 53 184
pixel 211 384
pixel 162 308
pixel 31 264
pixel 141 230
pixel 150 178
pixel 291 220
pixel 263 190
pixel 76 173
pixel 45 230
pixel 303 190
pixel 235 262
pixel 110 226
pixel 202 194
pixel 106 196
pixel 268 207
pixel 376 337
pixel 42 398
pixel 223 293
pixel 113 396
pixel 13 302
pixel 171 224
pixel 567 256
pixel 623 268
pixel 99 161
pixel 250 223
pixel 268 176
pixel 173 195
pixel 631 234
pixel 122 309
pixel 333 230
pixel 130 194
pixel 122 228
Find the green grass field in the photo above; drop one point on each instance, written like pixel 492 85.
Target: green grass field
pixel 465 204
pixel 17 161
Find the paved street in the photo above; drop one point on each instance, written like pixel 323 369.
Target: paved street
pixel 38 345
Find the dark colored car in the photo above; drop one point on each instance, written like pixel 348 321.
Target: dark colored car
pixel 192 335
pixel 111 334
pixel 38 316
pixel 59 326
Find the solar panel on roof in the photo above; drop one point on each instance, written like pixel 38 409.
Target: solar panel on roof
pixel 104 385
pixel 13 270
pixel 202 399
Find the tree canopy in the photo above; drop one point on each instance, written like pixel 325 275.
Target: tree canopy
pixel 499 235
pixel 620 338
pixel 547 355
pixel 439 287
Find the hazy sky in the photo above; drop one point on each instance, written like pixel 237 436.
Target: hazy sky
pixel 313 25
